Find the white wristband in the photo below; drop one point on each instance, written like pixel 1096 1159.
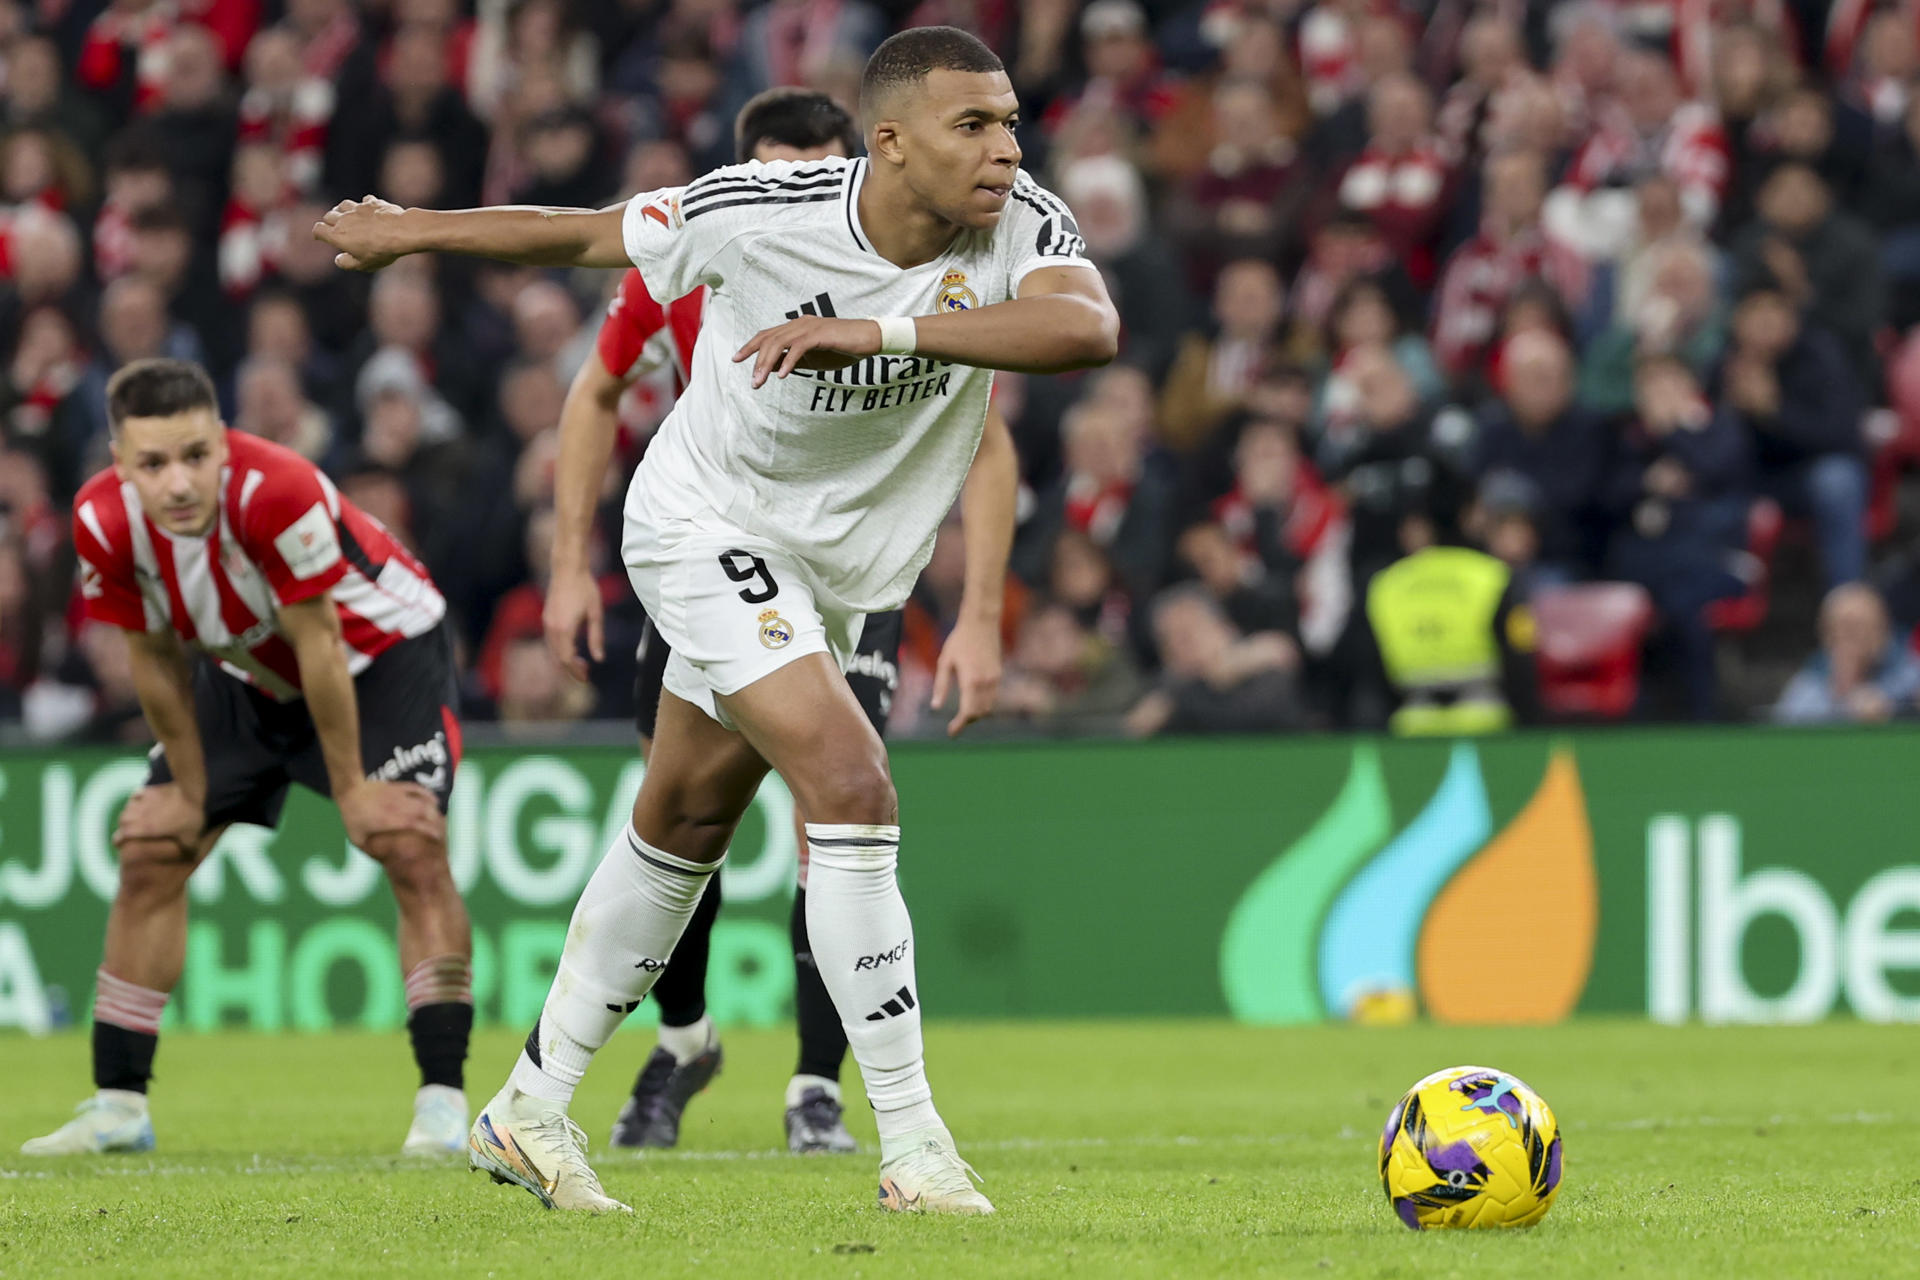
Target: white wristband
pixel 899 336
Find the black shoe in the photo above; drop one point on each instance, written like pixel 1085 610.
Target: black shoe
pixel 814 1126
pixel 651 1117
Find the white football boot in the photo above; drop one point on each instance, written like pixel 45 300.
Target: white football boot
pixel 928 1176
pixel 439 1123
pixel 111 1120
pixel 533 1143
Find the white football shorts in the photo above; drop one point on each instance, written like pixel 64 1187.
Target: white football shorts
pixel 734 608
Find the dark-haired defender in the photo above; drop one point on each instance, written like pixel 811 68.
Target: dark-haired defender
pixel 796 488
pixel 639 338
pixel 323 661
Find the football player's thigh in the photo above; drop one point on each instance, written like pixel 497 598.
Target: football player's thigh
pixel 700 779
pixel 807 723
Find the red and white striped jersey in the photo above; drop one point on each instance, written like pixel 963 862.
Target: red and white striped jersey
pixel 649 347
pixel 284 535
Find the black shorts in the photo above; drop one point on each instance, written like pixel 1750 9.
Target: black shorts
pixel 874 673
pixel 256 748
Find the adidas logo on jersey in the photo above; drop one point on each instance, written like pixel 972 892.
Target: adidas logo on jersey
pixel 821 305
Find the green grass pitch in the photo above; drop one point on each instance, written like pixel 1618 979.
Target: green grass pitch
pixel 1116 1149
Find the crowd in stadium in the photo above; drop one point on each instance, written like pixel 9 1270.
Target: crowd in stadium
pixel 1610 291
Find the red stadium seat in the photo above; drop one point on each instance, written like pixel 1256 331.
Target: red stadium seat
pixel 1588 647
pixel 1748 610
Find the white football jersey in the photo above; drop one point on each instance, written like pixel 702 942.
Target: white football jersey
pixel 852 470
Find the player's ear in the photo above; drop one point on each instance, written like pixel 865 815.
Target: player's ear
pixel 883 143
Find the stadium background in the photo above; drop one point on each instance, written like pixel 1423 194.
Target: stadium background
pixel 1381 269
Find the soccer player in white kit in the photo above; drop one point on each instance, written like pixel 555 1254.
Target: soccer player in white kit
pixel 840 383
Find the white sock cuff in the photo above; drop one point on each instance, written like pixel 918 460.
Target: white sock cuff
pixel 668 861
pixel 852 846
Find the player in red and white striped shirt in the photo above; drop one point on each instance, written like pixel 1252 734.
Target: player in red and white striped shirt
pixel 306 614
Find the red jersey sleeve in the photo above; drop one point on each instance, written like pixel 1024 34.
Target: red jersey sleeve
pixel 633 318
pixel 289 526
pixel 109 591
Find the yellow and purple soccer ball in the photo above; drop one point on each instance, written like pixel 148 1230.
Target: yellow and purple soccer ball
pixel 1471 1147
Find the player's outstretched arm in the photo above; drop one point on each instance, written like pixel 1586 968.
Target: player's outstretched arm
pixel 164 683
pixel 970 658
pixel 589 421
pixel 1062 320
pixel 369 234
pixel 367 808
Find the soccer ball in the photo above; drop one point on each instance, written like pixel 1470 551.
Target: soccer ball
pixel 1470 1147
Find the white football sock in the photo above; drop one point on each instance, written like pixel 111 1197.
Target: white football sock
pixel 688 1042
pixel 629 918
pixel 863 944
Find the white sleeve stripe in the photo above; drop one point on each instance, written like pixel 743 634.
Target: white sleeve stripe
pixel 252 482
pixel 91 518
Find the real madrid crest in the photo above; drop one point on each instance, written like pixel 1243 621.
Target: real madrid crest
pixel 954 294
pixel 775 631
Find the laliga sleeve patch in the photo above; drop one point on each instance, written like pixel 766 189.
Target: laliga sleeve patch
pixel 310 545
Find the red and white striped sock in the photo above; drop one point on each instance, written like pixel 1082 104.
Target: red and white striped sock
pixel 126 1004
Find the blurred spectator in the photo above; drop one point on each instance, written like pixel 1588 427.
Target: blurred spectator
pixel 1345 247
pixel 137 179
pixel 1110 204
pixel 1861 674
pixel 1254 50
pixel 287 107
pixel 414 100
pixel 34 400
pixel 254 229
pixel 196 117
pixel 1123 76
pixel 1400 182
pixel 1346 47
pixel 1678 314
pixel 1491 56
pixel 1211 377
pixel 134 325
pixel 1679 495
pixel 546 324
pixel 1111 492
pixel 1396 463
pixel 535 690
pixel 1790 385
pixel 1749 75
pixel 1884 64
pixel 40 96
pixel 1253 598
pixel 1213 679
pixel 164 255
pixel 1365 315
pixel 1649 127
pixel 1822 258
pixel 39 265
pixel 1510 247
pixel 1247 201
pixel 1806 126
pixel 515 37
pixel 1063 676
pixel 277 329
pixel 1535 432
pixel 271 405
pixel 40 167
pixel 563 160
pixel 1892 206
pixel 404 317
pixel 123 57
pixel 1289 531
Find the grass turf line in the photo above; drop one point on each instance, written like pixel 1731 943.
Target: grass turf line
pixel 1111 1149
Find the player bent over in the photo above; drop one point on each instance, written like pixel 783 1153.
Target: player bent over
pixel 325 662
pixel 796 487
pixel 638 339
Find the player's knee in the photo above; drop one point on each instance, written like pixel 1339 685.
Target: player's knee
pixel 153 870
pixel 856 791
pixel 414 863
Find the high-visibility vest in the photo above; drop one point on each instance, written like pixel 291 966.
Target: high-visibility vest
pixel 1434 615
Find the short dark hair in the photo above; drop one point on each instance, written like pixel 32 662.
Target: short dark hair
pixel 798 118
pixel 910 56
pixel 158 389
